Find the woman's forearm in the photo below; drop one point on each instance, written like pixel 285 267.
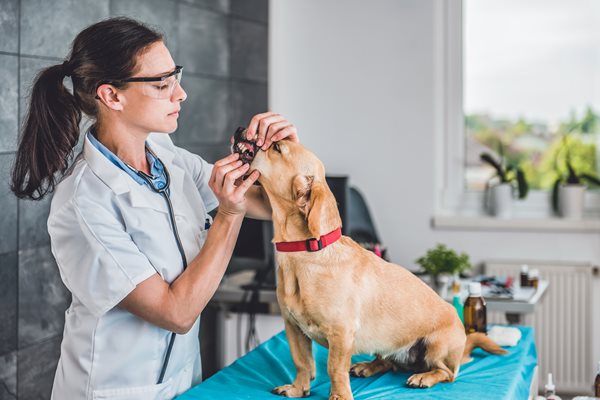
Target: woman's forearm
pixel 259 206
pixel 193 289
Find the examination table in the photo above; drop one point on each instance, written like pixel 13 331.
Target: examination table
pixel 510 377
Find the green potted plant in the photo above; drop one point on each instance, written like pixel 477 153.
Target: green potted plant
pixel 443 260
pixel 499 195
pixel 568 190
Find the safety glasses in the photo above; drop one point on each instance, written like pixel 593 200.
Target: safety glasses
pixel 160 87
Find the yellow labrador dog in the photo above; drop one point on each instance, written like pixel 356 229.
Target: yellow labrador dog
pixel 345 297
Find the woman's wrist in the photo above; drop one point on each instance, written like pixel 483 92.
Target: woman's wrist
pixel 229 215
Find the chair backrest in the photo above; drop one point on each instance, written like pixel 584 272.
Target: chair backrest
pixel 340 188
pixel 361 227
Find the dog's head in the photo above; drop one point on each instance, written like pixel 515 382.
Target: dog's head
pixel 294 179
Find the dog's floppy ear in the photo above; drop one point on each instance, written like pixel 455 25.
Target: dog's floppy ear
pixel 311 199
pixel 302 186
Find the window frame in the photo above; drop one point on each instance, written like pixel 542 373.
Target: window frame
pixel 453 196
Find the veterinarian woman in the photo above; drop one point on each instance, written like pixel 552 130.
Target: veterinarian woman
pixel 131 213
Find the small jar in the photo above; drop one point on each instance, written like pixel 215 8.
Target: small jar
pixel 534 278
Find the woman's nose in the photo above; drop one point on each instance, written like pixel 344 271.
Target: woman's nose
pixel 179 94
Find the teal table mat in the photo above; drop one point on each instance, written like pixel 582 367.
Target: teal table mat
pixel 270 365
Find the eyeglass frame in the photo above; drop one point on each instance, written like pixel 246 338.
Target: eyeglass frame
pixel 178 69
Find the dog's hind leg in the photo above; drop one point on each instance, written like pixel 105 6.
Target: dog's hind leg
pixel 301 349
pixel 443 356
pixel 369 368
pixel 439 373
pixel 341 344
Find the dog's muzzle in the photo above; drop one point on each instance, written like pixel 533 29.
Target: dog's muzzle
pixel 245 148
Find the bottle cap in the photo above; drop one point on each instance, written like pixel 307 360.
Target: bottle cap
pixel 598 367
pixel 474 289
pixel 550 384
pixel 524 268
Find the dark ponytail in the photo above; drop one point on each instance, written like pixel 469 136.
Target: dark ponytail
pixel 106 50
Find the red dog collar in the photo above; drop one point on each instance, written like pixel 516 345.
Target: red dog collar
pixel 311 244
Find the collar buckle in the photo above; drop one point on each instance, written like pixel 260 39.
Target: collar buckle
pixel 310 248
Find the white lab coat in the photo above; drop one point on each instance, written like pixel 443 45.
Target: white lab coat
pixel 109 233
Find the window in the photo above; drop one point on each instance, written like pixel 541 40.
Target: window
pixel 521 77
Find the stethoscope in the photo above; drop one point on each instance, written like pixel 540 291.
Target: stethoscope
pixel 164 192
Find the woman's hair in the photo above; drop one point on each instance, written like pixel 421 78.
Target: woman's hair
pixel 107 50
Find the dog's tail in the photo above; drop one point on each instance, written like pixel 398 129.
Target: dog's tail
pixel 478 339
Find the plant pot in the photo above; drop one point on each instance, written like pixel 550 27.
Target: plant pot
pixel 570 201
pixel 439 283
pixel 500 201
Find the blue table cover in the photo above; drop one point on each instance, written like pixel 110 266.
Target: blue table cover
pixel 270 365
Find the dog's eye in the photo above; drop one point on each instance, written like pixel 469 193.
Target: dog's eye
pixel 276 147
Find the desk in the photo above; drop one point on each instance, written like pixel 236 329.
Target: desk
pixel 230 292
pixel 513 308
pixel 490 377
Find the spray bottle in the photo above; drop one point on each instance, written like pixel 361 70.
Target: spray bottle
pixel 550 389
pixel 456 302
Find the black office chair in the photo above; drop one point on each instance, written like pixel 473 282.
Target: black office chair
pixel 361 227
pixel 360 224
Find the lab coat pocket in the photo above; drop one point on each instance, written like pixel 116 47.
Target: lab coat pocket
pixel 202 237
pixel 183 381
pixel 150 392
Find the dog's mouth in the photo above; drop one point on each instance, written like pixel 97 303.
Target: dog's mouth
pixel 245 148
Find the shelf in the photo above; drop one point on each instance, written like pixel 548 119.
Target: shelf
pixel 486 223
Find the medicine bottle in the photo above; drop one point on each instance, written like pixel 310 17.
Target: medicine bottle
pixel 474 311
pixel 524 275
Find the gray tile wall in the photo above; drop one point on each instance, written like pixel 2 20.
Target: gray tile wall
pixel 222 45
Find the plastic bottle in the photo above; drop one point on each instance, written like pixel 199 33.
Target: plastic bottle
pixel 550 389
pixel 524 275
pixel 597 382
pixel 456 298
pixel 475 313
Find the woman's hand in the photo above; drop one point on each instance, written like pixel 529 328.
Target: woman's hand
pixel 271 127
pixel 232 199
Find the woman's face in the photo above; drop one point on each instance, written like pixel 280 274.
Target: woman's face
pixel 141 107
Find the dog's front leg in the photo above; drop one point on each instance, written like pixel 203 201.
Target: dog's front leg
pixel 301 349
pixel 341 343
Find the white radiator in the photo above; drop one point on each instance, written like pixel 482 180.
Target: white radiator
pixel 562 321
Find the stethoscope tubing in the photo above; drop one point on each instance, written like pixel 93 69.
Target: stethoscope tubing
pixel 164 192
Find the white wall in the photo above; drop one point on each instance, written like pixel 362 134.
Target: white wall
pixel 357 79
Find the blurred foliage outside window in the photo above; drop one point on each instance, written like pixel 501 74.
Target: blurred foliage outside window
pixel 535 147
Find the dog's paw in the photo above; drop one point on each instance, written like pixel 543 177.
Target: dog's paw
pixel 369 368
pixel 340 397
pixel 291 391
pixel 361 369
pixel 340 392
pixel 425 380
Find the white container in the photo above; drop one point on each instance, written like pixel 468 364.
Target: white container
pixel 570 201
pixel 501 200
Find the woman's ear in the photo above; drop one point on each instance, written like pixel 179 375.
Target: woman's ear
pixel 108 95
pixel 311 199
